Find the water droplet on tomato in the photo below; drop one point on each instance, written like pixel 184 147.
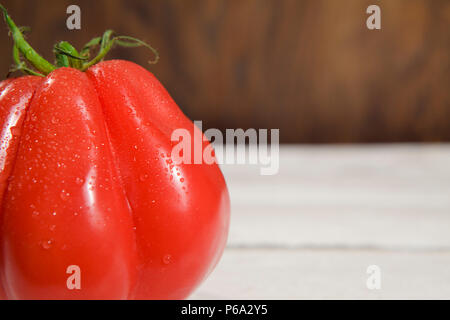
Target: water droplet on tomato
pixel 47 244
pixel 15 131
pixel 64 195
pixel 167 259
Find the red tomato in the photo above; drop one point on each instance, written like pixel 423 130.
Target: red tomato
pixel 87 179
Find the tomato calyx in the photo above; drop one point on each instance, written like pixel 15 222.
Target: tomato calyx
pixel 66 55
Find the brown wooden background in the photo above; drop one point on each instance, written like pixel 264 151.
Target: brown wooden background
pixel 308 67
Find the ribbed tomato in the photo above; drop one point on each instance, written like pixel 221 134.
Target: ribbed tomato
pixel 87 180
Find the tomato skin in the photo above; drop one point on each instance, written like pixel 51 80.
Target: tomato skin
pixel 15 95
pixel 89 182
pixel 181 211
pixel 62 206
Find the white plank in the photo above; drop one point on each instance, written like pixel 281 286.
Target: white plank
pixel 311 231
pixel 393 197
pixel 326 274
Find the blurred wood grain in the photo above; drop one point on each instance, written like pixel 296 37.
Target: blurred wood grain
pixel 308 67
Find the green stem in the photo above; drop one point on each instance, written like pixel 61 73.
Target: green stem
pixel 124 41
pixel 27 51
pixel 105 45
pixel 85 52
pixel 66 54
pixel 61 59
pixel 20 65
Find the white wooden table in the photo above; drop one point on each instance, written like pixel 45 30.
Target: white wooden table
pixel 311 231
